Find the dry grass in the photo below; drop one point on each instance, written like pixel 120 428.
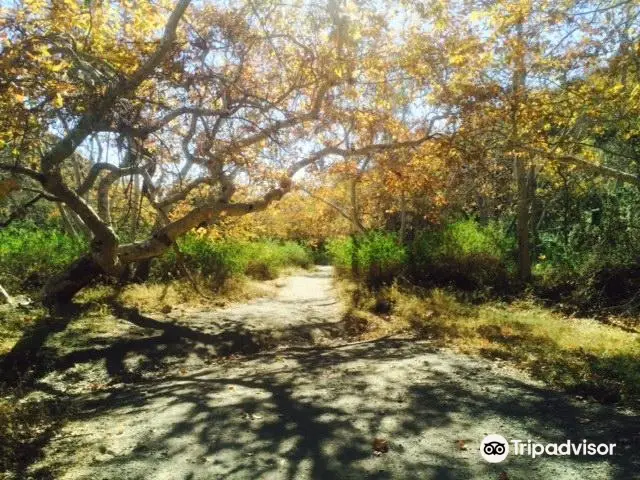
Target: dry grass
pixel 97 323
pixel 159 297
pixel 578 354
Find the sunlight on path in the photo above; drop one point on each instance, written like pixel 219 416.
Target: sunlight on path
pixel 313 413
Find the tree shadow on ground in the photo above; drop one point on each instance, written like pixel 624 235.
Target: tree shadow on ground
pixel 606 378
pixel 314 412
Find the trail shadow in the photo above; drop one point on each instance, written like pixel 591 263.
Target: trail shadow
pixel 28 359
pixel 313 413
pixel 173 341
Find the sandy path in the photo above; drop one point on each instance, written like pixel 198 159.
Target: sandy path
pixel 311 412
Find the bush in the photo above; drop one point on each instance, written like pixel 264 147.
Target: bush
pixel 591 275
pixel 340 251
pixel 219 260
pixel 375 257
pixel 266 258
pixel 320 253
pixel 464 254
pixel 29 256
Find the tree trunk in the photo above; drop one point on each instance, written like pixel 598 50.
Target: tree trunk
pixel 522 225
pixel 521 163
pixel 142 271
pixel 61 289
pixel 6 295
pixel 66 222
pixel 403 217
pixel 537 212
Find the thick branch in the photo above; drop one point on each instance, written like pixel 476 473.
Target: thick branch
pixel 65 147
pixel 20 170
pixel 104 208
pixel 94 172
pixel 592 167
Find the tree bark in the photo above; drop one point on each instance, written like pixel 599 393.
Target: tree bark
pixel 142 271
pixel 6 295
pixel 67 225
pixel 403 217
pixel 522 224
pixel 521 160
pixel 61 289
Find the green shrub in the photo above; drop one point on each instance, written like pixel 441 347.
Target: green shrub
pixel 375 257
pixel 320 254
pixel 29 256
pixel 465 237
pixel 380 258
pixel 297 255
pixel 264 260
pixel 219 260
pixel 267 258
pixel 464 254
pixel 340 251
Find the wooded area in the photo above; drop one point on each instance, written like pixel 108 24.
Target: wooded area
pixel 440 154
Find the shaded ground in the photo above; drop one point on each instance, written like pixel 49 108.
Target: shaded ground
pixel 167 405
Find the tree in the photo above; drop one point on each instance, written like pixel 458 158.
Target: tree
pixel 215 115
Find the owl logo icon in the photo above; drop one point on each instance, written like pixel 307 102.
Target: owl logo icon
pixel 494 448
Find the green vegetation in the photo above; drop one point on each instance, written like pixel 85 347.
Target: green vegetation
pixel 456 286
pixel 220 260
pixel 465 255
pixel 30 255
pixel 376 257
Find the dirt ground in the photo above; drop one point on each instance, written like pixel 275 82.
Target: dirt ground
pixel 270 389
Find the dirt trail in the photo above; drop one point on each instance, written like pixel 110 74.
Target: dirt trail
pixel 311 409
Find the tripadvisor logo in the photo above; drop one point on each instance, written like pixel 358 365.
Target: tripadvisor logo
pixel 495 448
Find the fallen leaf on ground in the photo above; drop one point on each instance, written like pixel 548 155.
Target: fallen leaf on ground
pixel 380 446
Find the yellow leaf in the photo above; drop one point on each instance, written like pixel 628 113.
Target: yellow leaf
pixel 57 67
pixel 58 102
pixel 476 15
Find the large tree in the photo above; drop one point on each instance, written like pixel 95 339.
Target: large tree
pixel 212 107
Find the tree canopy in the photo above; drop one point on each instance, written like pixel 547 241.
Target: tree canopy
pixel 184 114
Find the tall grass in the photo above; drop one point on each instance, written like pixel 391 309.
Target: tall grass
pixel 580 355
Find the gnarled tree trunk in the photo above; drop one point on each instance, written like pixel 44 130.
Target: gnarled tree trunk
pixel 62 288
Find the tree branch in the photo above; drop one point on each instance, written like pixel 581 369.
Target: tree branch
pixel 587 165
pixel 20 211
pixel 87 123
